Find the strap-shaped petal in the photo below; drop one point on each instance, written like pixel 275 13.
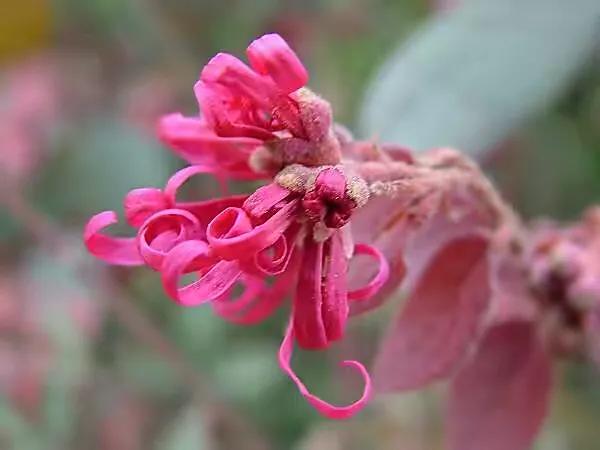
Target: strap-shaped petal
pixel 139 204
pixel 265 198
pixel 324 408
pixel 180 177
pixel 211 285
pixel 335 289
pixel 207 210
pixel 268 300
pixel 274 260
pixel 270 55
pixel 239 79
pixel 307 316
pixel 230 241
pixel 221 110
pixel 191 139
pixel 225 306
pixel 113 250
pixel 378 280
pixel 162 231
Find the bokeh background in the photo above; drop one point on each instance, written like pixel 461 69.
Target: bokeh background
pixel 97 358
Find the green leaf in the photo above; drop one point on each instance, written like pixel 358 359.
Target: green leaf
pixel 471 76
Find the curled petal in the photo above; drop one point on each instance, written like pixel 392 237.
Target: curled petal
pixel 162 231
pixel 207 210
pixel 378 281
pixel 228 239
pixel 119 251
pixel 191 139
pixel 265 198
pixel 269 299
pixel 270 55
pixel 141 203
pixel 275 259
pixel 228 71
pixel 227 307
pixel 180 177
pixel 227 122
pixel 324 408
pixel 211 285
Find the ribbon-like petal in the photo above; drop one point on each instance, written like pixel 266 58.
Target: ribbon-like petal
pixel 335 289
pixel 326 409
pixel 139 204
pixel 192 139
pixel 113 250
pixel 212 284
pixel 264 198
pixel 270 55
pixel 307 317
pixel 269 299
pixel 162 231
pixel 223 236
pixel 378 280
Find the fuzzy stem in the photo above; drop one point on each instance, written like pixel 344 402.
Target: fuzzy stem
pixel 439 173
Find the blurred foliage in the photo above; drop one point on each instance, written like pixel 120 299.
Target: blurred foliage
pixel 460 80
pixel 106 386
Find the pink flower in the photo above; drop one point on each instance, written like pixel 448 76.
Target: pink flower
pixel 489 302
pixel 242 109
pixel 257 122
pixel 275 232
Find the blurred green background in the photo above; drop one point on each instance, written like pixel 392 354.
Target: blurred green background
pixel 97 358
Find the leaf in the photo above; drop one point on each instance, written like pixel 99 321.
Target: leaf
pixel 186 432
pixel 470 77
pixel 440 319
pixel 387 224
pixel 499 399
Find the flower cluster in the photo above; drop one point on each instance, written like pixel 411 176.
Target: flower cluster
pixel 490 301
pixel 564 280
pixel 291 236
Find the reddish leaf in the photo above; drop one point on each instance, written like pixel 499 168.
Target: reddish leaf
pixel 385 224
pixel 440 319
pixel 380 225
pixel 499 399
